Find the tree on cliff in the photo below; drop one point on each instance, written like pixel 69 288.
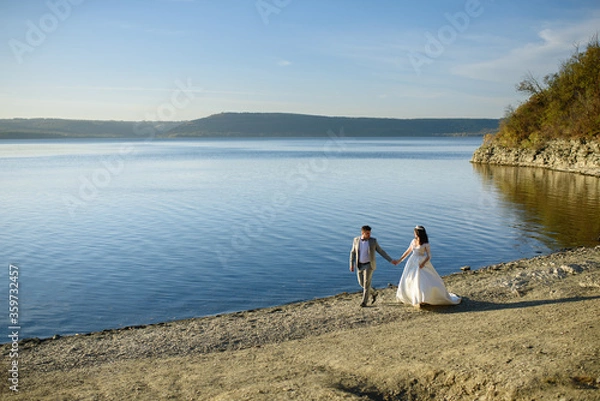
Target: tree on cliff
pixel 566 105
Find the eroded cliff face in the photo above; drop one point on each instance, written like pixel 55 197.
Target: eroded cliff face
pixel 575 156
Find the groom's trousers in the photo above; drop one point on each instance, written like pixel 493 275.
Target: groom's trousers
pixel 364 273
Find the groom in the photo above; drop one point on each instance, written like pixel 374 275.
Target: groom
pixel 362 258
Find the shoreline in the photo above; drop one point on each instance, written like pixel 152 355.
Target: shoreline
pixel 268 309
pixel 569 156
pixel 564 286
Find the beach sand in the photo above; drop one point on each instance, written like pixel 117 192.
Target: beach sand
pixel 526 330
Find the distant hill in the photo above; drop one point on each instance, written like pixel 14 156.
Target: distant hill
pixel 245 125
pixel 301 125
pixel 40 128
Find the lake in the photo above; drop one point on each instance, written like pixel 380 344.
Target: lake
pixel 109 233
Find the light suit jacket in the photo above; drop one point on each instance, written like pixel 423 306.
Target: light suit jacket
pixel 373 247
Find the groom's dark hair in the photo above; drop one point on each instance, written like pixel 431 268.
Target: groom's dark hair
pixel 365 228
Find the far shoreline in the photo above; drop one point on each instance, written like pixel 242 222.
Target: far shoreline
pixel 4 139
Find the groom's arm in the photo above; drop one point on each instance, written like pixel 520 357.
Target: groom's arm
pixel 352 255
pixel 383 253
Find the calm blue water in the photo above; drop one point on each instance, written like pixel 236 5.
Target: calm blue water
pixel 109 234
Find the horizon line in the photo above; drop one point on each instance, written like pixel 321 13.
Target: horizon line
pixel 254 112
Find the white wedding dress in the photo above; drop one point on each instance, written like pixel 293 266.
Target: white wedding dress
pixel 423 286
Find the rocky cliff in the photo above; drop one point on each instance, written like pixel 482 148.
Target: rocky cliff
pixel 577 156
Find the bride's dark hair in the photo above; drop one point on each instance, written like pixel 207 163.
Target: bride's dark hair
pixel 422 235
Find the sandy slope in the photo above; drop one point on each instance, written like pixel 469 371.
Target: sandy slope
pixel 526 330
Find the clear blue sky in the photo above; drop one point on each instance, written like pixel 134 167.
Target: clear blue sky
pixel 187 59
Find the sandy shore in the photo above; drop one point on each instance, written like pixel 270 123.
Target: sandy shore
pixel 526 330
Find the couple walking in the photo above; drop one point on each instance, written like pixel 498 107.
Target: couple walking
pixel 420 283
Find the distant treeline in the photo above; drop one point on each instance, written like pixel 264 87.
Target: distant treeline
pixel 300 125
pixel 246 125
pixel 40 128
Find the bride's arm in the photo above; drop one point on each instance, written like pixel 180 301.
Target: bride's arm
pixel 407 252
pixel 427 257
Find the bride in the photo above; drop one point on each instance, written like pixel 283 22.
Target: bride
pixel 420 282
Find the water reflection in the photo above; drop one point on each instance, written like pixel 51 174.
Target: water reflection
pixel 564 207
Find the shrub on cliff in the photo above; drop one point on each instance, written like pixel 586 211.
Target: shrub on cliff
pixel 565 106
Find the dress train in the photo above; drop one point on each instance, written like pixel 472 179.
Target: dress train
pixel 423 286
